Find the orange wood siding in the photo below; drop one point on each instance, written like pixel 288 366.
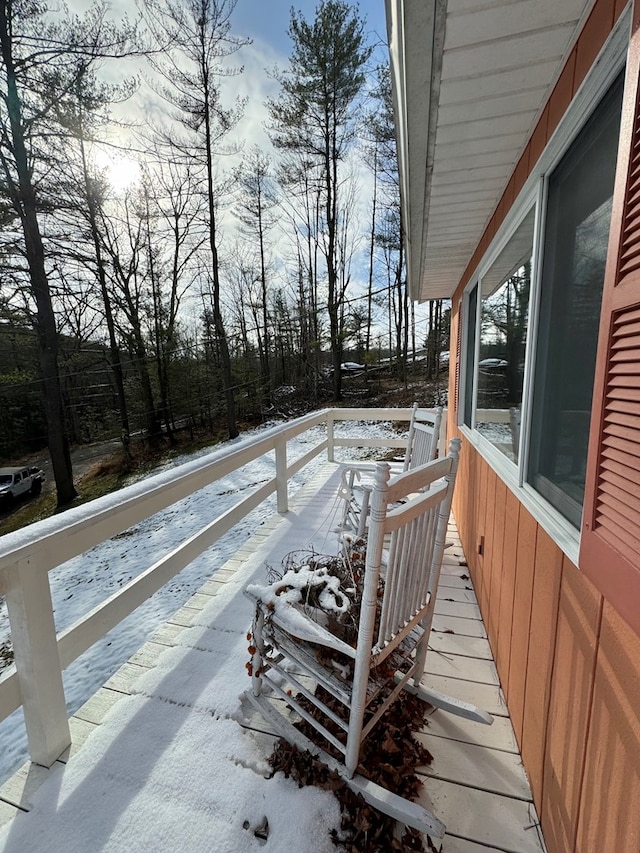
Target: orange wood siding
pixel 569 667
pixel 547 573
pixel 609 817
pixel 579 614
pixel 507 585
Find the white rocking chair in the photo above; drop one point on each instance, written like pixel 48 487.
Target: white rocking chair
pixel 402 609
pixel 422 447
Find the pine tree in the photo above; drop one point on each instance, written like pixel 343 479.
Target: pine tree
pixel 315 116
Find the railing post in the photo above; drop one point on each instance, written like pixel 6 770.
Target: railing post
pixel 35 648
pixel 330 445
pixel 281 475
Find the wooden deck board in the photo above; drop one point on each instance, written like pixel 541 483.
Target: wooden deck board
pixel 459 625
pixel 487 696
pixel 499 735
pixel 462 595
pixel 458 666
pixel 473 647
pixel 448 579
pixel 478 766
pixel 461 610
pixel 463 845
pixel 124 678
pixel 98 706
pixel 17 792
pixel 7 812
pixel 482 817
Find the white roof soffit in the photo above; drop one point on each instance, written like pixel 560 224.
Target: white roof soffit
pixel 470 80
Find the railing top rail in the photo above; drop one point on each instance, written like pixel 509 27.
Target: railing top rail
pixel 82 527
pixel 377 414
pixel 79 528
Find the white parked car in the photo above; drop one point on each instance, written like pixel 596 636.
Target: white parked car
pixel 492 364
pixel 16 482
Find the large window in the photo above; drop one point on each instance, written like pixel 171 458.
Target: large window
pixel 574 257
pixel 567 293
pixel 504 320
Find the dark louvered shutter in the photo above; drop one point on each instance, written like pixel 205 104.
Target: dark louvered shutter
pixel 610 543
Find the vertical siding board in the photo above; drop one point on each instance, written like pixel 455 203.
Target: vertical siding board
pixel 495 567
pixel 454 366
pixel 609 817
pixel 481 514
pixel 507 587
pixel 523 593
pixel 542 637
pixel 473 486
pixel 465 502
pixel 487 558
pixel 579 616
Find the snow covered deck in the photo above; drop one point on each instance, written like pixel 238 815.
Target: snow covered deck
pixel 164 758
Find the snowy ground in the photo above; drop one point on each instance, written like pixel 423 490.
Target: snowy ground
pixel 85 581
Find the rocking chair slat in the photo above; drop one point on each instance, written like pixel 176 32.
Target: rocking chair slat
pixel 303 658
pixel 389 700
pixel 411 482
pixel 383 650
pixel 289 677
pixel 306 716
pixel 417 506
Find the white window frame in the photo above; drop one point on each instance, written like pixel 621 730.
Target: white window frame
pixel 602 75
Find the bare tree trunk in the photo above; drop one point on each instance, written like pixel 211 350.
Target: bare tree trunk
pixel 371 254
pixel 221 334
pixel 114 352
pixel 24 201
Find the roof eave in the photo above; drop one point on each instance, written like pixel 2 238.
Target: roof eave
pixel 416 29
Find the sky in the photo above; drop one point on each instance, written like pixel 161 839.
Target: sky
pixel 267 21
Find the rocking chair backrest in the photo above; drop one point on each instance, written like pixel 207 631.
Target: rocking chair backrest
pixel 417 529
pixel 424 432
pixel 417 532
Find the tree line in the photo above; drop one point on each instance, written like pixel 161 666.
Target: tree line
pixel 201 288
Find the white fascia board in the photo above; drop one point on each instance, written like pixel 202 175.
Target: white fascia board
pixel 415 33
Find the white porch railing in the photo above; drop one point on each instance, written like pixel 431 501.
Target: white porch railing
pixel 27 557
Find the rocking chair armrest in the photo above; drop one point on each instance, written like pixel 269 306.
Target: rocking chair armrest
pixel 297 624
